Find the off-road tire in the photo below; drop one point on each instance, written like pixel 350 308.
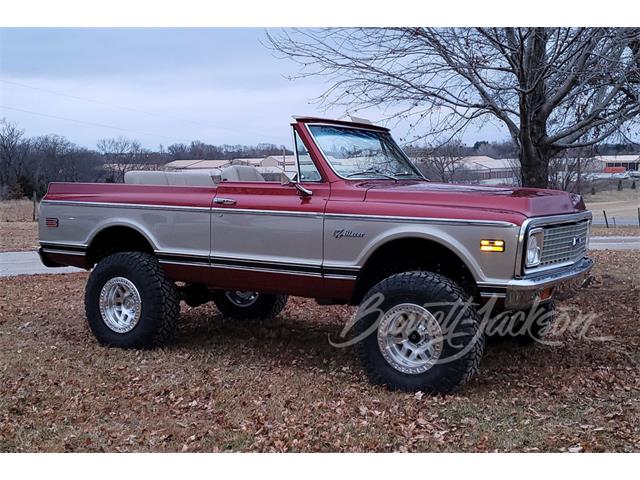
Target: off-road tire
pixel 160 300
pixel 423 288
pixel 266 307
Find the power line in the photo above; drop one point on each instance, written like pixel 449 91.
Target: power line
pixel 153 114
pixel 93 124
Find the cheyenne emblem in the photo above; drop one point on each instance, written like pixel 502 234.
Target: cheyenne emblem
pixel 342 233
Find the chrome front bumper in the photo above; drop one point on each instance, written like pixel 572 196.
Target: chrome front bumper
pixel 522 292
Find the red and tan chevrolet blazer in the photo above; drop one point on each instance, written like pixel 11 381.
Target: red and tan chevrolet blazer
pixel 431 266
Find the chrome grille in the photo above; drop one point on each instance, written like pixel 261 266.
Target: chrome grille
pixel 564 243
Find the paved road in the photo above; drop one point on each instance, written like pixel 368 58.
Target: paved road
pixel 28 263
pixel 614 243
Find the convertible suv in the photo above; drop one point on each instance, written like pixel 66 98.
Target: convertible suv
pixel 430 265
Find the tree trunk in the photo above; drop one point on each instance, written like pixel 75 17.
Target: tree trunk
pixel 534 157
pixel 534 166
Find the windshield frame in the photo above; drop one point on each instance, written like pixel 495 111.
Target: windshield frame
pixel 413 168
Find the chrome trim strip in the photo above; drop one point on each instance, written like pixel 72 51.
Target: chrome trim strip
pixel 63 244
pixel 340 277
pixel 492 294
pixel 266 270
pixel 181 254
pixel 143 206
pixel 427 220
pixel 63 252
pixel 175 262
pixel 276 213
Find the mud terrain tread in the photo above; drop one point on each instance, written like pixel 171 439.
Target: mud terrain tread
pixel 164 298
pixel 438 286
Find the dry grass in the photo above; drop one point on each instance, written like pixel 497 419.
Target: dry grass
pixel 16 211
pixel 18 236
pixel 621 207
pixel 228 385
pixel 613 195
pixel 18 232
pixel 615 232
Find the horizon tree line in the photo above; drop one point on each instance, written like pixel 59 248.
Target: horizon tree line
pixel 29 164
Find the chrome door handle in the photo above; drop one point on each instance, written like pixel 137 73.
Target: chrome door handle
pixel 224 201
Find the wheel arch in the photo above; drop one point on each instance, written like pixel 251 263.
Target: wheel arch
pixel 420 251
pixel 115 237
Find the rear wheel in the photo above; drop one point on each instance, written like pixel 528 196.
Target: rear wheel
pixel 419 333
pixel 129 302
pixel 245 305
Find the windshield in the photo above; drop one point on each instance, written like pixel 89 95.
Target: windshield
pixel 357 153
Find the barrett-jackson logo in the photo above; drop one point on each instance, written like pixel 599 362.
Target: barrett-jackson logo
pixel 344 233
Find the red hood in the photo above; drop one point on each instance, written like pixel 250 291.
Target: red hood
pixel 530 202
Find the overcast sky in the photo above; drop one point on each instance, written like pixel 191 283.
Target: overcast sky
pixel 160 86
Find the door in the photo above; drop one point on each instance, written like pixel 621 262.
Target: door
pixel 268 237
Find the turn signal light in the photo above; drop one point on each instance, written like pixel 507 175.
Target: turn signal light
pixel 492 245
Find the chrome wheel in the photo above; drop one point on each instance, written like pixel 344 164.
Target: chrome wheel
pixel 242 299
pixel 410 338
pixel 120 305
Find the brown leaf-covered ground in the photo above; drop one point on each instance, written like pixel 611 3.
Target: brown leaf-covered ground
pixel 18 236
pixel 280 386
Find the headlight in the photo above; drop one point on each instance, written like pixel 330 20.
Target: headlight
pixel 534 247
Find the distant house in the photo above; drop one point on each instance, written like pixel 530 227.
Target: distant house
pixel 487 170
pixel 618 163
pixel 288 161
pixel 253 162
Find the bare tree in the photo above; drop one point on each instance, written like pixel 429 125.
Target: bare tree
pixel 552 88
pixel 53 158
pixel 567 171
pixel 122 155
pixel 443 162
pixel 13 151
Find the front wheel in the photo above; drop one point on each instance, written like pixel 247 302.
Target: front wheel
pixel 243 305
pixel 418 332
pixel 129 302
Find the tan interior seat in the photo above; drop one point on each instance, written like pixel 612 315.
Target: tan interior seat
pixel 241 173
pixel 142 177
pixel 196 178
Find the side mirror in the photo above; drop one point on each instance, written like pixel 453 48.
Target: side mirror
pixel 291 178
pixel 287 178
